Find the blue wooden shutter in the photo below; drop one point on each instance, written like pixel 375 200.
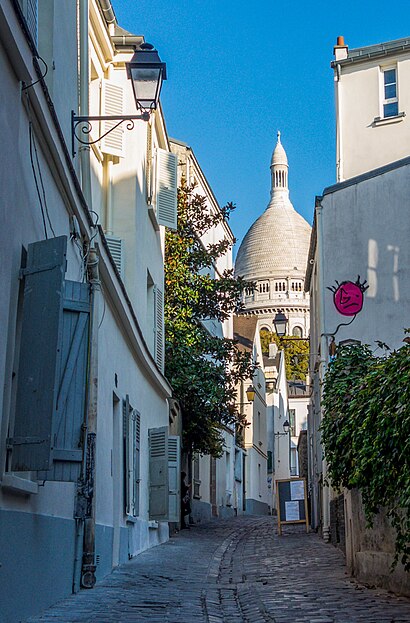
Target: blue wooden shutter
pixel 158 473
pixel 70 403
pixel 37 381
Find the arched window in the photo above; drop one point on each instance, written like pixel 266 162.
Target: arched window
pixel 297 331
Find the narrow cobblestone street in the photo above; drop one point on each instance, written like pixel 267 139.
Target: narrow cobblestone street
pixel 231 571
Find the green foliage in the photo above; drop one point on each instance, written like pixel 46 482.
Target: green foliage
pixel 202 369
pixel 296 367
pixel 366 433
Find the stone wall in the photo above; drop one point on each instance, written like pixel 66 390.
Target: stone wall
pixel 370 552
pixel 337 523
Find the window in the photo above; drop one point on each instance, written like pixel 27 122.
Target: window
pixel 292 422
pixel 390 100
pixel 297 331
pixel 280 286
pixel 264 287
pixel 197 480
pixel 131 444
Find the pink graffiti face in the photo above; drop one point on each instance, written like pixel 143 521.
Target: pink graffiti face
pixel 348 298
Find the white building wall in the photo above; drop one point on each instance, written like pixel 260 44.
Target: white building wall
pixel 364 144
pixel 43 510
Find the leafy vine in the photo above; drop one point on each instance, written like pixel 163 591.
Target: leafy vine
pixel 366 433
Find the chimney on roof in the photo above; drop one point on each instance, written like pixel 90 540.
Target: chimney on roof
pixel 340 50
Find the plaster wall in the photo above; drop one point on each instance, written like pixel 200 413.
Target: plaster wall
pixel 120 373
pixel 364 144
pixel 366 231
pixel 57 21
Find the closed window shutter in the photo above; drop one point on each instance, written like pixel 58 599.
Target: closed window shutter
pixel 116 247
pixel 112 103
pixel 166 198
pixel 159 327
pixel 136 419
pixel 126 454
pixel 38 374
pixel 158 473
pixel 71 395
pixel 174 478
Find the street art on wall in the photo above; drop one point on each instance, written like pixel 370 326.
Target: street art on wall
pixel 348 296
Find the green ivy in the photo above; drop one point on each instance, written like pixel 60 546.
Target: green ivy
pixel 296 353
pixel 366 433
pixel 203 369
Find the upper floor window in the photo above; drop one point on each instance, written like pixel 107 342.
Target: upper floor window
pixel 264 287
pixel 390 100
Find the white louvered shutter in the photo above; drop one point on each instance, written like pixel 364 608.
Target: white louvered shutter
pixel 158 473
pixel 166 200
pixel 174 478
pixel 159 327
pixel 136 425
pixel 116 247
pixel 112 103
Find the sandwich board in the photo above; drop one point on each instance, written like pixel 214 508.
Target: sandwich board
pixel 291 501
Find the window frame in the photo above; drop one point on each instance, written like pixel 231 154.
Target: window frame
pixel 385 101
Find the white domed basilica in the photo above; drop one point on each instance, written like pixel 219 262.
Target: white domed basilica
pixel 274 254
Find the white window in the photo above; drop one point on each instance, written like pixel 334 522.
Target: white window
pixel 389 85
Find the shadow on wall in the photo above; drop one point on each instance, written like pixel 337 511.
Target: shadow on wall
pixel 388 263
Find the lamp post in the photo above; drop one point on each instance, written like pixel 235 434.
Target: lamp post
pixel 146 72
pixel 286 428
pixel 281 322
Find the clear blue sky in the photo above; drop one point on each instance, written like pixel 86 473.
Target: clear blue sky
pixel 239 71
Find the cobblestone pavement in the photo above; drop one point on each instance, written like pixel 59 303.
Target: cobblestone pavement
pixel 231 571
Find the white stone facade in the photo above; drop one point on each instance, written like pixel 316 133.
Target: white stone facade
pixel 273 254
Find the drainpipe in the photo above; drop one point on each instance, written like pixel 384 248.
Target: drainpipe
pixel 88 578
pixel 323 357
pixel 84 150
pixel 339 134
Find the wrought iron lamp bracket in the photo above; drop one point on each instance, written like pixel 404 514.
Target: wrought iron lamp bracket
pixel 86 124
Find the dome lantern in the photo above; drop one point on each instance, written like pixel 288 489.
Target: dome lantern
pixel 279 169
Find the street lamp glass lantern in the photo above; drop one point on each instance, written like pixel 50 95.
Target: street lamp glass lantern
pixel 286 426
pixel 280 321
pixel 146 72
pixel 250 393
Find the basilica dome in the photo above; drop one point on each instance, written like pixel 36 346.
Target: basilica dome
pixel 277 244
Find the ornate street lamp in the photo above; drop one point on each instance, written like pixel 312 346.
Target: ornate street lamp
pixel 146 72
pixel 250 393
pixel 280 321
pixel 286 428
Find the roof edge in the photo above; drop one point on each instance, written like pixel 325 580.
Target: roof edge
pixel 397 164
